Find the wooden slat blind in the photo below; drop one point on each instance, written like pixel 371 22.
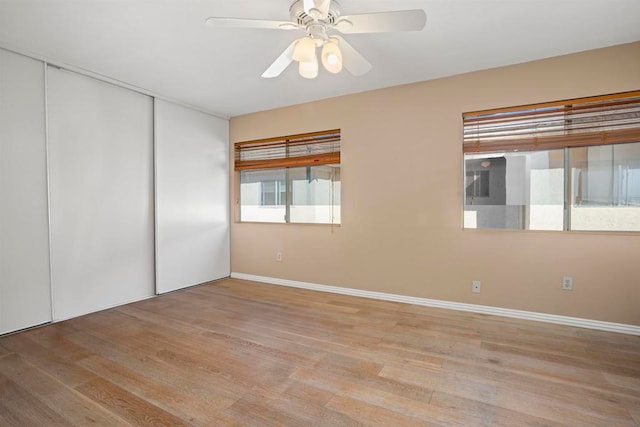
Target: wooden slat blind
pixel 309 149
pixel 607 119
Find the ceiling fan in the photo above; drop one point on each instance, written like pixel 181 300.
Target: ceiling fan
pixel 320 20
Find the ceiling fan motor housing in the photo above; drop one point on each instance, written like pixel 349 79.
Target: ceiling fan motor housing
pixel 316 28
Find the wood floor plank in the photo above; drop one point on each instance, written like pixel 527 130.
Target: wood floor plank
pixel 381 393
pixel 628 382
pixel 57 366
pixel 240 353
pixel 220 337
pixel 197 404
pixel 493 391
pixel 19 407
pixel 264 407
pixel 135 410
pixel 64 401
pixel 306 392
pixel 139 367
pixel 337 371
pixel 634 411
pixel 373 415
pixel 465 412
pixel 4 352
pixel 131 359
pixel 56 341
pixel 466 350
pixel 257 413
pixel 586 398
pixel 144 336
pixel 567 360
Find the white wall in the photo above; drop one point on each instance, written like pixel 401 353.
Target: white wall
pixel 82 190
pixel 402 209
pixel 192 197
pixel 101 180
pixel 25 292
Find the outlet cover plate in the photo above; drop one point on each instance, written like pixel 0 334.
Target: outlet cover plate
pixel 475 286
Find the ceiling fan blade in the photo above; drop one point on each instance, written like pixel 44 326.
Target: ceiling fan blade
pixel 351 58
pixel 281 62
pixel 383 22
pixel 217 22
pixel 317 9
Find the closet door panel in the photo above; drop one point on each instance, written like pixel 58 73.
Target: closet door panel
pixel 25 289
pixel 192 197
pixel 101 183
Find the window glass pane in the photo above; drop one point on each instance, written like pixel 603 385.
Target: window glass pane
pixel 315 194
pixel 605 188
pixel 518 190
pixel 263 195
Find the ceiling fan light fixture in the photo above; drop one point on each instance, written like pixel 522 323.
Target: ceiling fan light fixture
pixel 318 18
pixel 305 50
pixel 309 69
pixel 332 56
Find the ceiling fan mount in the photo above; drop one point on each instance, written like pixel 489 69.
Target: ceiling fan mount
pixel 300 16
pixel 320 19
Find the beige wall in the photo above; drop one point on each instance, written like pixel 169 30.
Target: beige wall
pixel 402 199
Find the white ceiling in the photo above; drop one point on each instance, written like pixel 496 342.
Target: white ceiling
pixel 165 48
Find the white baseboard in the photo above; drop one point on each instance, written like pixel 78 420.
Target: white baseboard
pixel 473 308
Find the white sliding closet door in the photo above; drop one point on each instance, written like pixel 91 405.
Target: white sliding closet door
pixel 25 288
pixel 192 197
pixel 101 181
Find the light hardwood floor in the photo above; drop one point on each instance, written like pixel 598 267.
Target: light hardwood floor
pixel 241 353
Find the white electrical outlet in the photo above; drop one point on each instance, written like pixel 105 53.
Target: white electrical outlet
pixel 278 256
pixel 475 286
pixel 567 283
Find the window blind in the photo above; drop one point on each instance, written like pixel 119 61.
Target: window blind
pixel 598 120
pixel 309 149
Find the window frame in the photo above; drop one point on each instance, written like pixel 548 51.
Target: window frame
pixel 599 121
pixel 311 149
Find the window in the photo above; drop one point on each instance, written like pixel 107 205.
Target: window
pixel 606 188
pixel 477 183
pixel 568 165
pixel 292 179
pixel 273 193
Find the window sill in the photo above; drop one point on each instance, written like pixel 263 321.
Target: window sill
pixel 290 223
pixel 568 232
